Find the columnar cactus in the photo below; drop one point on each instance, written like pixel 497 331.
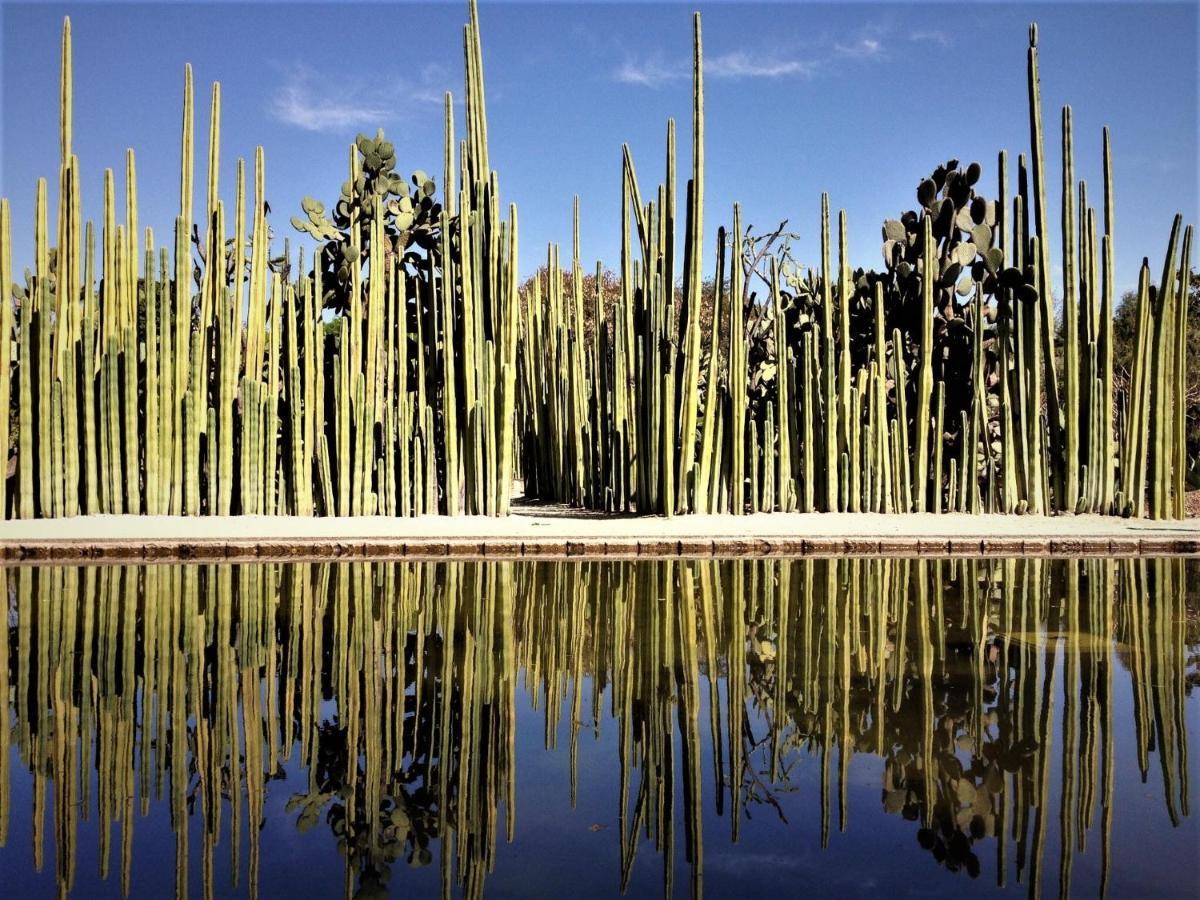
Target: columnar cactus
pixel 403 372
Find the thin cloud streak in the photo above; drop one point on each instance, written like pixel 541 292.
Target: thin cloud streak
pixel 304 102
pixel 863 48
pixel 741 65
pixel 655 73
pixel 649 73
pixel 933 37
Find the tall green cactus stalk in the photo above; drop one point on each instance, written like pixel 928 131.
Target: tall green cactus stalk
pixel 809 414
pixel 882 451
pixel 580 448
pixel 903 476
pixel 1108 491
pixel 601 394
pixel 89 364
pixel 846 427
pixel 483 304
pixel 212 292
pixel 296 402
pixel 41 327
pixel 56 451
pixel 66 269
pixel 150 378
pixel 25 428
pixel 709 474
pixel 127 265
pixel 737 371
pixel 1179 450
pixel 271 400
pixel 688 360
pixel 784 402
pixel 1071 363
pixel 975 430
pixel 70 437
pixel 884 448
pixel 1034 326
pixel 67 281
pixel 854 451
pixel 1010 466
pixel 1045 293
pixel 1092 429
pixel 183 304
pixel 228 352
pixel 829 396
pixel 921 424
pixel 508 367
pixel 1162 383
pixel 939 417
pixel 6 343
pixel 1014 299
pixel 666 288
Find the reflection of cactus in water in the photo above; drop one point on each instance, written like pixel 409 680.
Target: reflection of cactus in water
pixel 954 673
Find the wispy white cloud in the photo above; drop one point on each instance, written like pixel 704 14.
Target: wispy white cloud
pixel 740 64
pixel 650 72
pixel 655 72
pixel 310 101
pixel 297 104
pixel 933 37
pixel 863 48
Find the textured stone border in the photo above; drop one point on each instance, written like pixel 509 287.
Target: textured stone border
pixel 79 552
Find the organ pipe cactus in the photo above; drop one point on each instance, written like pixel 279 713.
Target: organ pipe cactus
pixel 965 315
pixel 1045 294
pixel 150 440
pixel 402 371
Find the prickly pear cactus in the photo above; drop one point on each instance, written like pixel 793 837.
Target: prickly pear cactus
pixel 408 206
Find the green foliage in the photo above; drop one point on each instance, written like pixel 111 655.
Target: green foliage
pixel 409 209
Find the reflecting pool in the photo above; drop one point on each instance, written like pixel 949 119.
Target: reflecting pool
pixel 706 727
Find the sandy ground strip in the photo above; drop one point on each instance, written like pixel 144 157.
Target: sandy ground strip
pixel 538 530
pixel 560 523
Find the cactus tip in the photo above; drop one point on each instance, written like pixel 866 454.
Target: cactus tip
pixel 1033 35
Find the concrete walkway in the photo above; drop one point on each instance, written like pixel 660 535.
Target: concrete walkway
pixel 548 531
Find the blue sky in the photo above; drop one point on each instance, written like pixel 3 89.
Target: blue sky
pixel 860 99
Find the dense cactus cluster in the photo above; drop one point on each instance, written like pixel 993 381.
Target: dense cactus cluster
pixel 401 371
pixel 932 384
pixel 211 381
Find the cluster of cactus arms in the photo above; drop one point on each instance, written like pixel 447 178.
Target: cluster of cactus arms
pixel 402 371
pixel 932 384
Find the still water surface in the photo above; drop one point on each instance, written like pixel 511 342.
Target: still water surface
pixel 732 728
